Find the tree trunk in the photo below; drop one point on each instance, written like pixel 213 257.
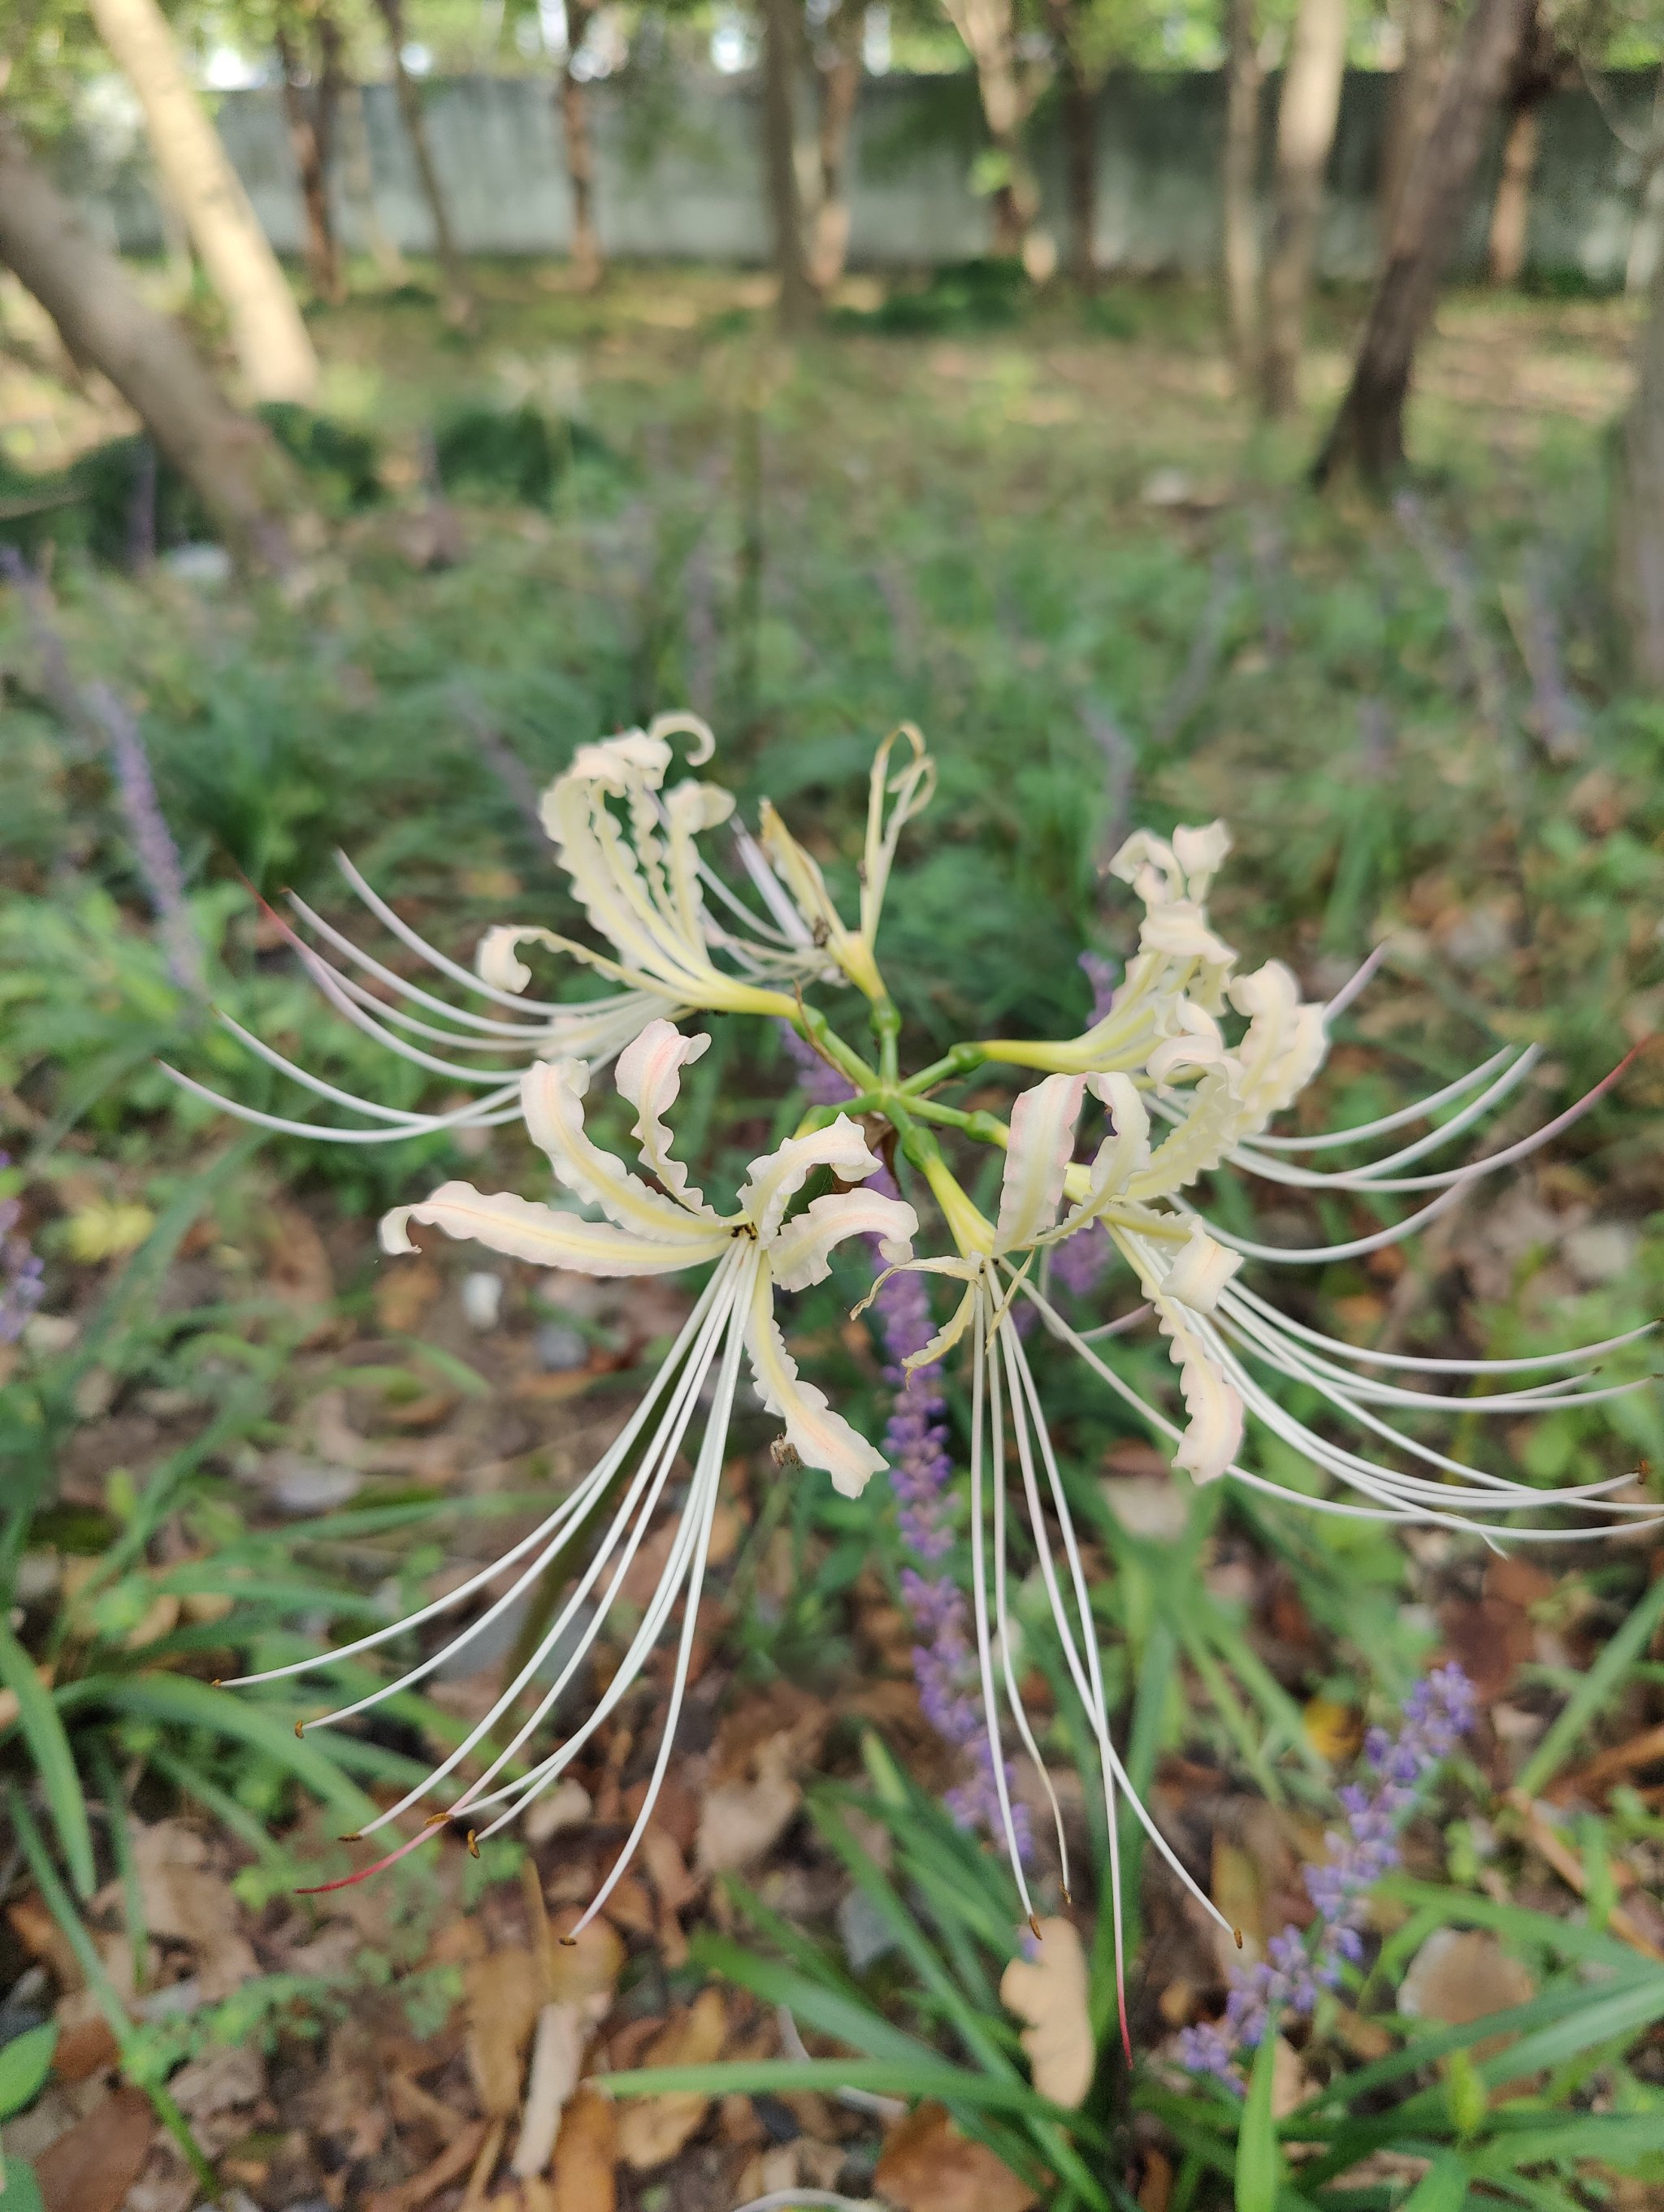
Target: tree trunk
pixel 309 112
pixel 1368 431
pixel 1305 117
pixel 456 298
pixel 782 27
pixel 1638 547
pixel 578 139
pixel 271 343
pixel 989 30
pixel 1510 217
pixel 1415 98
pixel 838 84
pixel 1239 176
pixel 230 462
pixel 1077 120
pixel 361 187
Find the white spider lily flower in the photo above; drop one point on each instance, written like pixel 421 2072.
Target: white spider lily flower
pixel 754 1251
pixel 1182 968
pixel 641 881
pixel 1219 1333
pixel 892 802
pixel 644 890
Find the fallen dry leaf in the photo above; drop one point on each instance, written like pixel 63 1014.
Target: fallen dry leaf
pixel 586 2155
pixel 740 1820
pixel 587 1966
pixel 653 2129
pixel 187 1900
pixel 225 2077
pixel 404 1293
pixel 1462 1974
pixel 1050 1992
pixel 927 2165
pixel 502 1995
pixel 92 2167
pixel 458 2155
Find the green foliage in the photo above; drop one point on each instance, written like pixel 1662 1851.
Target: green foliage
pixel 509 454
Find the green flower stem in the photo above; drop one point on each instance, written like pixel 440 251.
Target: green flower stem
pixel 812 1023
pixel 963 1059
pixel 886 1028
pixel 983 1128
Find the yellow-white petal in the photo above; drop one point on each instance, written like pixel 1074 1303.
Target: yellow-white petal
pixel 1042 1138
pixel 800 1253
pixel 1122 1155
pixel 543 1235
pixel 1200 854
pixel 551 1098
pixel 1200 1272
pixel 819 1436
pixel 649 1078
pixel 776 1178
pixel 1214 1436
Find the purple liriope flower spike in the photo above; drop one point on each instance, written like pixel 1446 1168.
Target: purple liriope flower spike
pixel 1297 1967
pixel 21 1270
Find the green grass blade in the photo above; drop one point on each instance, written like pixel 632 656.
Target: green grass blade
pixel 1259 2155
pixel 1442 2188
pixel 25 2063
pixel 43 1731
pixel 1596 1689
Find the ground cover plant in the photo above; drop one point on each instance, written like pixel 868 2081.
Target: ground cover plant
pixel 235 1438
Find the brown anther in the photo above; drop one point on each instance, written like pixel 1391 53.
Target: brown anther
pixel 1237 1932
pixel 300 1728
pixel 474 1845
pixel 1035 1925
pixel 1069 1899
pixel 567 1943
pixel 357 1837
pixel 436 1819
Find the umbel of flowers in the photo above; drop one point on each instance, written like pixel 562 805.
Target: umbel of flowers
pixel 1110 1146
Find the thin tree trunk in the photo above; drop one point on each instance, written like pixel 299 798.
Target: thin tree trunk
pixel 782 27
pixel 309 110
pixel 1638 547
pixel 989 30
pixel 1305 117
pixel 1510 217
pixel 579 140
pixel 1367 432
pixel 1078 119
pixel 838 83
pixel 361 187
pixel 271 340
pixel 1415 98
pixel 456 297
pixel 229 461
pixel 1239 176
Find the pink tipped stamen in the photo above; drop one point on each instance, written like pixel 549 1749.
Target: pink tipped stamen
pixel 379 1866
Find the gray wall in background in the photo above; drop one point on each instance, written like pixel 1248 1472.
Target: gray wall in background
pixel 678 177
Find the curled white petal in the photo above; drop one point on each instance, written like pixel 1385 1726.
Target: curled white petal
pixel 819 1436
pixel 551 1098
pixel 650 1078
pixel 1042 1138
pixel 1200 1273
pixel 549 1238
pixel 800 1253
pixel 775 1179
pixel 1214 1436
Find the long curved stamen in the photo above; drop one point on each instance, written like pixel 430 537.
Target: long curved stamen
pixel 979 1398
pixel 1359 981
pixel 708 1474
pixel 650 1478
pixel 419 945
pixel 485 1113
pixel 1248 1155
pixel 1002 1618
pixel 1369 1357
pixel 401 986
pixel 1333 1140
pixel 603 1472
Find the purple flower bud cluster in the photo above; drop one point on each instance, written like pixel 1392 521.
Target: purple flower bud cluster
pixel 21 1270
pixel 153 842
pixel 1439 1711
pixel 915 1445
pixel 1103 976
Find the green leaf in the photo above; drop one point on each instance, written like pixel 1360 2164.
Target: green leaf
pixel 1259 2155
pixel 54 1762
pixel 25 2063
pixel 19 2191
pixel 191 1704
pixel 1442 2188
